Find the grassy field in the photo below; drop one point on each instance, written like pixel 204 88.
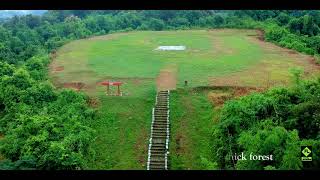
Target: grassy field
pixel 212 58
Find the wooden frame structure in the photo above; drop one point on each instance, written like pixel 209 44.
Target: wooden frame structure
pixel 108 84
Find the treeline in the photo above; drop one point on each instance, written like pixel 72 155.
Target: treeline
pixel 45 128
pixel 23 37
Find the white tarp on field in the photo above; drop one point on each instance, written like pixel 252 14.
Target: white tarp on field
pixel 171 48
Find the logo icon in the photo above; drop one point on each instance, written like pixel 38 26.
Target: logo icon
pixel 306 153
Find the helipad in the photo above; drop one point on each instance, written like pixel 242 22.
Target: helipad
pixel 171 48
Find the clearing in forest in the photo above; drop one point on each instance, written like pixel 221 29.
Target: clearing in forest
pixel 221 57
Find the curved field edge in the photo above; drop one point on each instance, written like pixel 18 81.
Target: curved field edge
pixel 124 122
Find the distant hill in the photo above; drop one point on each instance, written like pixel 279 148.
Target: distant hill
pixel 10 13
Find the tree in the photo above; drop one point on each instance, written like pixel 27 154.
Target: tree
pixel 283 19
pixel 156 24
pixel 218 20
pixel 6 69
pixel 179 22
pixel 309 28
pixel 295 25
pixel 32 21
pixel 314 42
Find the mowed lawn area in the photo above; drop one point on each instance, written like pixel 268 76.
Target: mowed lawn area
pixel 212 58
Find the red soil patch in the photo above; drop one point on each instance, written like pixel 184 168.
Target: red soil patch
pixel 242 91
pixel 135 80
pixel 218 98
pixel 74 85
pixel 166 80
pixel 59 68
pixel 93 102
pixel 312 60
pixel 260 34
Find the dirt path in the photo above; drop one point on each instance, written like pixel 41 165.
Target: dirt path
pixel 167 79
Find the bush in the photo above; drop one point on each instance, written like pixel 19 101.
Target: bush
pixel 275 122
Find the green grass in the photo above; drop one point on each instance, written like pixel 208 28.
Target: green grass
pixel 124 122
pixel 191 117
pixel 123 128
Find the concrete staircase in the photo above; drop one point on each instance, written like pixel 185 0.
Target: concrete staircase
pixel 159 140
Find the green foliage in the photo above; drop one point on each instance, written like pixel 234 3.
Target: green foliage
pixel 208 165
pixel 43 128
pixel 6 69
pixel 156 24
pixel 296 74
pixel 283 19
pixel 47 129
pixel 276 122
pixel 51 145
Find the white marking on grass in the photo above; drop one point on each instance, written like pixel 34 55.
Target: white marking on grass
pixel 171 48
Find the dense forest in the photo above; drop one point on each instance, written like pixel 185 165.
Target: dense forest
pixel 42 127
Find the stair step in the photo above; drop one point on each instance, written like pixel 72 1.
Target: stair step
pixel 158 142
pixel 157 168
pixel 162 105
pixel 157 157
pixel 157 151
pixel 159 126
pixel 161 111
pixel 159 119
pixel 160 122
pixel 157 123
pixel 164 137
pixel 158 146
pixel 155 132
pixel 162 115
pixel 161 108
pixel 157 162
pixel 163 118
pixel 159 130
pixel 162 99
pixel 159 135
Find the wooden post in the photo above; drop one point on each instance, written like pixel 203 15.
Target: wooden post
pixel 108 89
pixel 118 90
